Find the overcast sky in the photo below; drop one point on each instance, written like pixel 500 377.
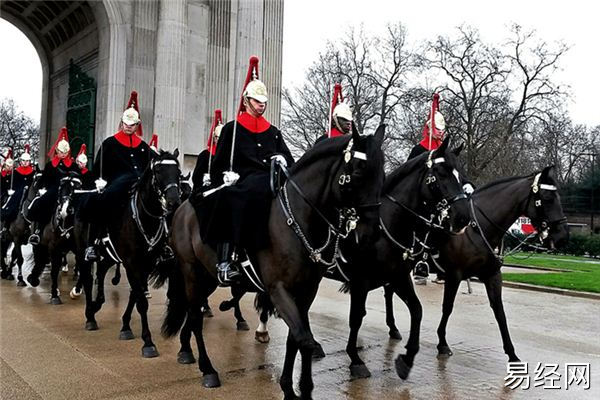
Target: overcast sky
pixel 309 24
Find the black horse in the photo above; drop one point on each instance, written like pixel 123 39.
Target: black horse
pixel 18 232
pixel 420 196
pixel 138 234
pixel 325 207
pixel 57 237
pixel 495 207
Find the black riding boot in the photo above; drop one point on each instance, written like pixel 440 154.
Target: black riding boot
pixel 35 233
pixel 226 268
pixel 91 252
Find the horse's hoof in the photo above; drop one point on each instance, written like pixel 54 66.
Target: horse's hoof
pixel 207 313
pixel 185 357
pixel 91 326
pixel 402 368
pixel 360 371
pixel 21 283
pixel 395 334
pixel 33 281
pixel 291 397
pixel 444 352
pixel 318 352
pixel 126 335
pixel 242 326
pixel 10 277
pixel 148 294
pixel 3 274
pixel 74 293
pixel 225 306
pixel 65 269
pixel 149 352
pixel 211 380
pixel 115 281
pixel 56 301
pixel 262 337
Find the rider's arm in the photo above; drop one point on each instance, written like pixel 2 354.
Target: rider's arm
pixel 282 148
pixel 220 162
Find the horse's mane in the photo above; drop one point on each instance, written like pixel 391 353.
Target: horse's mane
pixel 322 149
pixel 402 171
pixel 503 180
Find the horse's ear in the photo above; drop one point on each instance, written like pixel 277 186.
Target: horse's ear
pixel 355 134
pixel 548 172
pixel 444 146
pixel 379 135
pixel 458 149
pixel 176 153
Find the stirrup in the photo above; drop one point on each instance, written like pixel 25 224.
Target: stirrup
pixel 226 274
pixel 90 254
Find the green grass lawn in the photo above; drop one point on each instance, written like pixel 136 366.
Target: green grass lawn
pixel 577 274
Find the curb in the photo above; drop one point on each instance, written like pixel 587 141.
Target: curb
pixel 564 292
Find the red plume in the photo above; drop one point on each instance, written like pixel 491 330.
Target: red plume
pixel 9 154
pixel 154 141
pixel 133 102
pixel 429 142
pixel 63 134
pixel 82 150
pixel 218 119
pixel 27 148
pixel 336 99
pixel 251 75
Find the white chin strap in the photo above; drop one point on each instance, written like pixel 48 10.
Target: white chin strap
pixel 536 186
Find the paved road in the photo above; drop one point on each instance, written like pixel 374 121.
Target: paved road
pixel 46 354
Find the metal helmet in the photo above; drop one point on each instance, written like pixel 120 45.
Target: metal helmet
pixel 343 110
pixel 256 90
pixel 130 116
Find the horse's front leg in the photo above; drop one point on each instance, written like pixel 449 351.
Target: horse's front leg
pixel 388 294
pixel 138 283
pixel 262 332
pixel 450 290
pixel 358 299
pixel 185 354
pixel 493 287
pixel 18 260
pixel 241 323
pixel 406 291
pixel 87 281
pixel 55 262
pixel 40 254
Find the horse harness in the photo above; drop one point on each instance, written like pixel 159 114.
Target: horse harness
pixel 61 213
pixel 347 216
pixel 163 230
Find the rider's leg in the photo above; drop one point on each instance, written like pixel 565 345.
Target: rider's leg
pixel 227 270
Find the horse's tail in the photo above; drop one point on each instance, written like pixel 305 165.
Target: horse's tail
pixel 262 302
pixel 345 288
pixel 161 272
pixel 177 304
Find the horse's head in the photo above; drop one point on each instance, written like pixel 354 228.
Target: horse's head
pixel 545 211
pixel 359 181
pixel 430 186
pixel 165 174
pixel 66 189
pixel 185 187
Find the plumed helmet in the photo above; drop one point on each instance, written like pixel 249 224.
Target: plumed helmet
pixel 217 131
pixel 130 116
pixel 439 121
pixel 26 156
pixel 154 142
pixel 343 110
pixel 63 146
pixel 9 163
pixel 257 91
pixel 81 157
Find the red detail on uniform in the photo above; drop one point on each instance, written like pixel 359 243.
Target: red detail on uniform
pixel 250 75
pixel 25 170
pixel 84 170
pixel 435 143
pixel 154 141
pixel 335 133
pixel 126 140
pixel 335 100
pixel 253 124
pixel 133 102
pixel 6 172
pixel 67 161
pixel 210 146
pixel 61 135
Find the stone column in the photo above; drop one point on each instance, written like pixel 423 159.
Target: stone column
pixel 169 100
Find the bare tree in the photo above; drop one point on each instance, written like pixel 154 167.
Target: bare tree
pixel 17 129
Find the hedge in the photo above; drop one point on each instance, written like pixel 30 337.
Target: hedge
pixel 578 244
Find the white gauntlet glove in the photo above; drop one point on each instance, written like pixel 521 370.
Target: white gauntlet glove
pixel 468 188
pixel 280 159
pixel 42 191
pixel 10 192
pixel 206 179
pixel 100 184
pixel 230 178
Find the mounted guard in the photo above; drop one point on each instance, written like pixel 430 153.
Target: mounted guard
pixel 235 212
pixel 120 161
pixel 201 175
pixel 20 180
pixel 60 165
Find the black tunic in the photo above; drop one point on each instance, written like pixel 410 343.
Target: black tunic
pixel 41 208
pixel 238 214
pixel 21 182
pixel 120 161
pixel 200 169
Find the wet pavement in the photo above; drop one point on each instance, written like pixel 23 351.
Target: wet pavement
pixel 45 353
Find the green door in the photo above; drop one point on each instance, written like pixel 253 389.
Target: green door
pixel 81 111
